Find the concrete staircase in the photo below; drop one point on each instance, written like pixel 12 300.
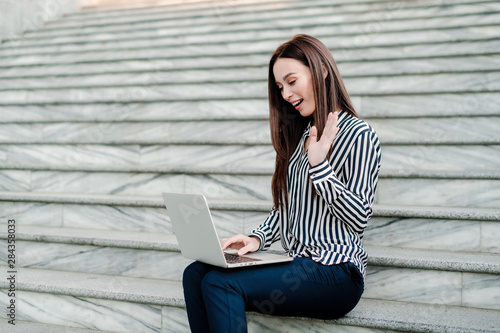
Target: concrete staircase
pixel 101 111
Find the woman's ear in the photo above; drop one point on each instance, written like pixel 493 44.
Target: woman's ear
pixel 325 71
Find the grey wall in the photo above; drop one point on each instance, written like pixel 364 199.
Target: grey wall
pixel 18 16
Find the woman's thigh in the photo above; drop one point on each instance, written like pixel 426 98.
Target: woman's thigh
pixel 299 288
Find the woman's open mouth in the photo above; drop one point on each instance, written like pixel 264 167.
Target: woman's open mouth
pixel 297 104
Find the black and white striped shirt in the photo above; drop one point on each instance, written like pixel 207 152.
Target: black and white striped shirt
pixel 328 226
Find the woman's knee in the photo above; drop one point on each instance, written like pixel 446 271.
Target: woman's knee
pixel 194 273
pixel 213 279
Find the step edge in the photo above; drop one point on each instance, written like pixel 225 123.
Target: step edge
pixel 438 212
pixel 360 316
pixel 246 171
pixel 470 262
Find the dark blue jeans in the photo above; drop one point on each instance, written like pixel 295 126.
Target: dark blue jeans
pixel 217 298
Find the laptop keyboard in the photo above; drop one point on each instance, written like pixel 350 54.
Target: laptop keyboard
pixel 235 259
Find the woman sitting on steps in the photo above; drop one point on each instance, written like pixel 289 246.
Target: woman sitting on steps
pixel 327 165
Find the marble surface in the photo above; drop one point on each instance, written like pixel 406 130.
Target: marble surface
pixel 453 192
pixel 422 259
pixel 410 26
pixel 112 261
pixel 26 326
pixel 194 132
pixel 245 13
pixel 369 316
pixel 160 75
pixel 490 234
pixel 412 285
pixel 32 213
pixel 154 59
pixel 160 25
pixel 481 290
pixel 389 283
pixel 462 235
pixel 151 219
pixel 437 130
pixel 266 41
pixel 240 109
pixel 174 320
pixel 246 7
pixel 451 235
pixel 401 19
pixel 114 288
pixel 404 159
pixel 431 83
pixel 367 106
pixel 88 313
pixel 439 192
pixel 212 186
pixel 14 180
pixel 443 130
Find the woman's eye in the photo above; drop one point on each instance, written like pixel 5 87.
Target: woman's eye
pixel 291 82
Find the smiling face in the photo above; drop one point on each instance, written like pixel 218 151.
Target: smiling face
pixel 295 83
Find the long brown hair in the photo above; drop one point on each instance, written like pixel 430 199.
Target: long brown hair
pixel 287 125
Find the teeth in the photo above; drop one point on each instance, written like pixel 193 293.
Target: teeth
pixel 297 102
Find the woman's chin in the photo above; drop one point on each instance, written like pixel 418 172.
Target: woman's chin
pixel 305 113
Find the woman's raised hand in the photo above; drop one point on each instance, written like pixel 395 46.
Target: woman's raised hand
pixel 319 149
pixel 242 243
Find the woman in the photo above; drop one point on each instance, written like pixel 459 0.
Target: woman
pixel 327 163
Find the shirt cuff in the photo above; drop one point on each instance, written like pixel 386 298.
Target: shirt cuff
pixel 261 236
pixel 321 172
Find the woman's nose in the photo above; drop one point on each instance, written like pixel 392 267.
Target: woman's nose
pixel 286 93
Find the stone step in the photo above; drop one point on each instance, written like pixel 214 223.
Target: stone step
pixel 477 190
pixel 153 59
pixel 92 301
pixel 401 19
pixel 268 12
pixel 222 10
pixel 266 42
pixel 450 65
pixel 124 304
pixel 113 6
pixel 355 14
pixel 233 204
pixel 402 131
pixel 384 106
pixel 31 327
pixel 400 160
pixel 393 274
pixel 408 30
pixel 430 84
pixel 461 229
pixel 236 170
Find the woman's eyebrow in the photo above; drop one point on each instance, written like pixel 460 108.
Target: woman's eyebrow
pixel 286 76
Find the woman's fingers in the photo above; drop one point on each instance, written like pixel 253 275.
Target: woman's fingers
pixel 244 250
pixel 252 244
pixel 318 150
pixel 330 130
pixel 313 135
pixel 232 242
pixel 242 243
pixel 331 123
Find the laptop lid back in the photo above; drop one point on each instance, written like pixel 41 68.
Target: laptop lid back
pixel 194 228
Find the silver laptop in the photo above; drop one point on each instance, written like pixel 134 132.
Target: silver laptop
pixel 195 231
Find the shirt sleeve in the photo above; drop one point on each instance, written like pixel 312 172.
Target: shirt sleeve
pixel 268 232
pixel 351 202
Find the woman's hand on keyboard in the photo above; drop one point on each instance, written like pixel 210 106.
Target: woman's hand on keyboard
pixel 242 243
